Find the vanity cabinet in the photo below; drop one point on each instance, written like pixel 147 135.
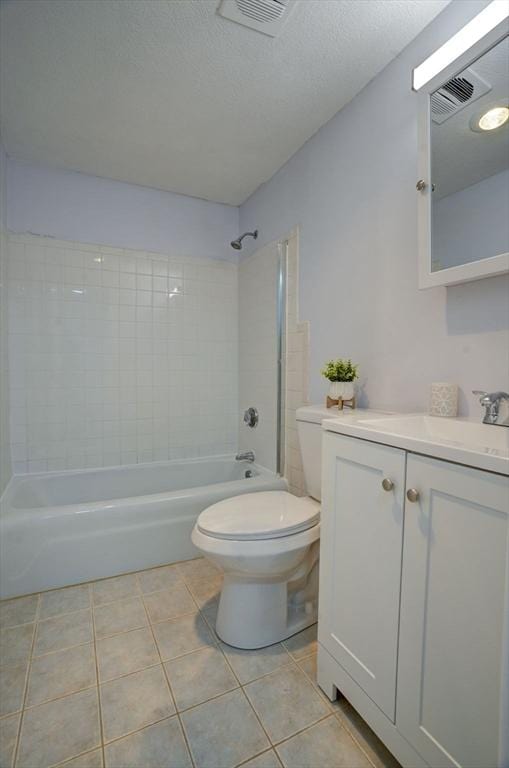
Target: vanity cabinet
pixel 414 603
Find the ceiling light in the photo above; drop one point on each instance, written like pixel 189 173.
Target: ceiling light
pixel 475 30
pixel 494 118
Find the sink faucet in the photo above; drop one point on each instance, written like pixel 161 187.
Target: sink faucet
pixel 246 456
pixel 491 401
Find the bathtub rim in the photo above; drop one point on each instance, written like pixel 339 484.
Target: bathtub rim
pixel 8 510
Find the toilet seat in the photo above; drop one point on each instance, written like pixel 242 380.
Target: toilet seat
pixel 259 516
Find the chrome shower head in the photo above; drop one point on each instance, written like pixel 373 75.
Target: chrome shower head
pixel 237 244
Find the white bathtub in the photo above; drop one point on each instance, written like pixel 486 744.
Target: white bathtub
pixel 63 528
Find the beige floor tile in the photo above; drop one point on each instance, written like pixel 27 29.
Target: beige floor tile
pixel 65 600
pixel 223 732
pixel 363 735
pixel 61 673
pixel 182 635
pixel 12 688
pixel 156 746
pixel 8 736
pixel 324 745
pixel 206 590
pixel 89 760
pixel 248 665
pixel 21 610
pixel 303 644
pixel 209 611
pixel 199 568
pixel 268 759
pixel 169 603
pixel 157 579
pixel 63 632
pixel 132 702
pixel 15 645
pixel 126 653
pixel 285 702
pixel 58 730
pixel 109 590
pixel 308 666
pixel 120 616
pixel 199 676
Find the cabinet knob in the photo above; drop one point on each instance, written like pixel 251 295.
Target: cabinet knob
pixel 387 484
pixel 421 185
pixel 412 495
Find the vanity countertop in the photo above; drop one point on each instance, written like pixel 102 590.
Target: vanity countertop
pixel 463 441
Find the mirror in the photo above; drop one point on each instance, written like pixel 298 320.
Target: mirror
pixel 469 157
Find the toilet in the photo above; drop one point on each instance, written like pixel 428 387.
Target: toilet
pixel 267 544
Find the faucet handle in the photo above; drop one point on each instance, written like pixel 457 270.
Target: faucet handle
pixel 483 396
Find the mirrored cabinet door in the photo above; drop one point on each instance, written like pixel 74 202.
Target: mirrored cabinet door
pixel 464 189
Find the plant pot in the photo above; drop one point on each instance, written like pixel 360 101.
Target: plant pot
pixel 341 390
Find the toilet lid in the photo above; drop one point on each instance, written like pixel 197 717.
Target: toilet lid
pixel 264 515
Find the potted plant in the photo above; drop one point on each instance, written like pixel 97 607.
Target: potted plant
pixel 341 374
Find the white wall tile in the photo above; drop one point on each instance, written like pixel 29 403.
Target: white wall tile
pixel 112 361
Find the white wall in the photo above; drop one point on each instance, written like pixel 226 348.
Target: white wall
pixel 119 356
pixel 88 209
pixel 472 223
pixel 351 189
pixel 5 459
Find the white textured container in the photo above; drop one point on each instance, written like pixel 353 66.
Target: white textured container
pixel 343 390
pixel 443 399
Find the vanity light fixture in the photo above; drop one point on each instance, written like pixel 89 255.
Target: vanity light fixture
pixel 494 118
pixel 475 30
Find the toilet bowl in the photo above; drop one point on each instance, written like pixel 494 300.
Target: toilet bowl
pixel 267 544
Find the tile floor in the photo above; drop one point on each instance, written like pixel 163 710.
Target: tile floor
pixel 128 673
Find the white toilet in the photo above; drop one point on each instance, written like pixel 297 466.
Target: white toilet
pixel 267 544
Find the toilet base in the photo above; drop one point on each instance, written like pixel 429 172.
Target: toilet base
pixel 253 614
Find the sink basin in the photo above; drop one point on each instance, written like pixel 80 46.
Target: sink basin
pixel 485 437
pixel 463 441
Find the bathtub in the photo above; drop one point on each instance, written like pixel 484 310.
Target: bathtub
pixel 61 528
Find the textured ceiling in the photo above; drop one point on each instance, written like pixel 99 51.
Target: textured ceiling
pixel 168 94
pixel 461 156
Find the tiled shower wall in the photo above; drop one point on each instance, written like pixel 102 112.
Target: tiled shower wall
pixel 119 356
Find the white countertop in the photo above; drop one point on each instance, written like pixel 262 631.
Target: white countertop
pixel 464 441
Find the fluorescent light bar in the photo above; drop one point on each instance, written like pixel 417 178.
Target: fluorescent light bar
pixel 475 30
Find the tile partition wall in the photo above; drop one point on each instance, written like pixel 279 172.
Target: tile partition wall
pixel 297 368
pixel 119 356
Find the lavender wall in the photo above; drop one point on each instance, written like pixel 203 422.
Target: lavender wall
pixel 351 189
pixel 74 206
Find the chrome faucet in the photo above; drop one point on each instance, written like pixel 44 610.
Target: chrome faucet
pixel 246 456
pixel 491 401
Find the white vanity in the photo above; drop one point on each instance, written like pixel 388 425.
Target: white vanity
pixel 414 584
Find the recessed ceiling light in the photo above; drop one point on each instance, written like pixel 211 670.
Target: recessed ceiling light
pixel 494 118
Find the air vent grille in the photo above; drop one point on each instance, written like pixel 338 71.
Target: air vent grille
pixel 265 16
pixel 262 10
pixel 459 91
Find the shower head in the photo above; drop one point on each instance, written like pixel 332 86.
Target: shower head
pixel 237 244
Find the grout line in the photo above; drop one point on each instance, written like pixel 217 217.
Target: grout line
pixel 27 683
pixel 99 706
pixel 165 673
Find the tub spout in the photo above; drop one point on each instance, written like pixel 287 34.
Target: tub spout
pixel 246 456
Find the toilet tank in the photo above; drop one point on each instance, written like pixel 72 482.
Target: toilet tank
pixel 309 419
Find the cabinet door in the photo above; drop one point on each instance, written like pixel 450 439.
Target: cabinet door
pixel 360 561
pixel 453 673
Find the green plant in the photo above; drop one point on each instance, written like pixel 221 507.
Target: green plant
pixel 340 370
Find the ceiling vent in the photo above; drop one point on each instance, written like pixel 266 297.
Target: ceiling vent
pixel 267 16
pixel 455 94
